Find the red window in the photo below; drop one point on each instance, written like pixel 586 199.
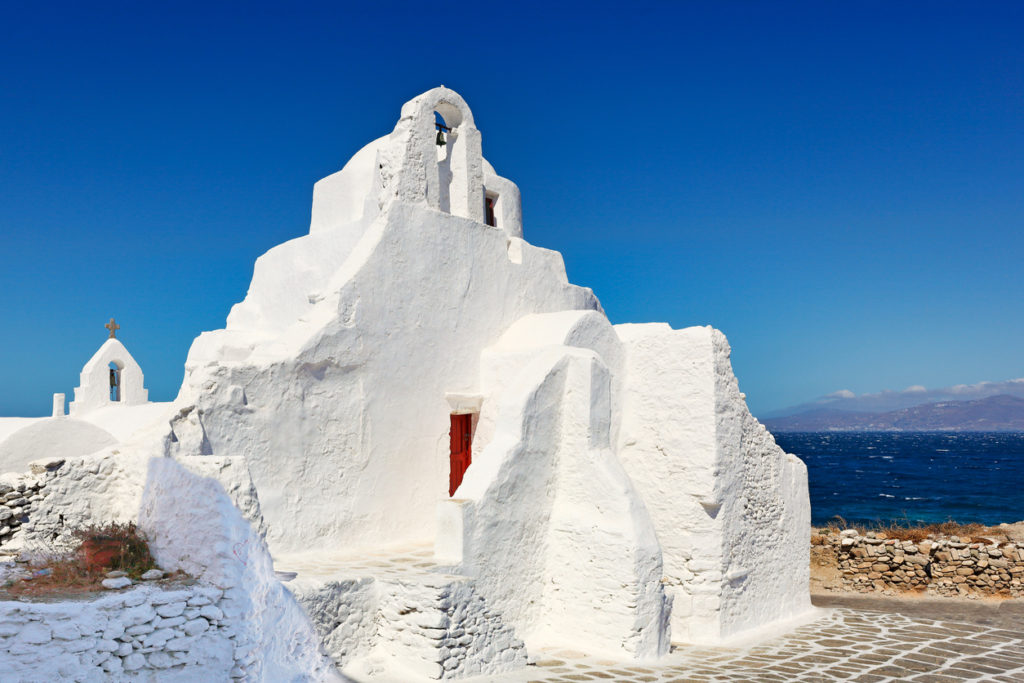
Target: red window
pixel 489 210
pixel 461 450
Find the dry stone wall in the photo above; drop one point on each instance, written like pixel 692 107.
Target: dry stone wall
pixel 16 501
pixel 943 566
pixel 180 633
pixel 47 503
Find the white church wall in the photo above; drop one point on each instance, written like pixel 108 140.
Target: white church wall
pixel 423 293
pixel 552 528
pixel 292 277
pixel 340 198
pixel 519 345
pixel 682 442
pixel 667 445
pixel 766 513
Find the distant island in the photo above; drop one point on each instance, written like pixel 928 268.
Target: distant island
pixel 1001 413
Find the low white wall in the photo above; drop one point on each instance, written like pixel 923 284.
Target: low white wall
pixel 178 634
pixel 193 525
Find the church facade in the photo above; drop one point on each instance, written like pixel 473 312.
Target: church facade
pixel 413 378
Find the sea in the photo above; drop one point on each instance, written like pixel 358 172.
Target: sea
pixel 912 477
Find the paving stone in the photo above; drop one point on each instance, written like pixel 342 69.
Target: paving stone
pixel 847 645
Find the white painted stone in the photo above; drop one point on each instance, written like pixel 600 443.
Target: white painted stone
pixel 114 584
pixel 211 612
pixel 196 626
pixel 171 609
pixel 34 633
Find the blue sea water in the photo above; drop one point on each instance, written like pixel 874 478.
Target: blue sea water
pixel 912 476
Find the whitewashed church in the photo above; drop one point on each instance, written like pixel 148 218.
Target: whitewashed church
pixel 429 455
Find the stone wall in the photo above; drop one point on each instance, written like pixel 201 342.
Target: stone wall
pixel 183 632
pixel 58 496
pixel 942 566
pixel 16 500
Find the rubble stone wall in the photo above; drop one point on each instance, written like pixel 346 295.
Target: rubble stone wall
pixel 16 501
pixel 944 566
pixel 186 631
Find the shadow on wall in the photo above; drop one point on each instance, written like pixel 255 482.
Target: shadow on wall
pixel 193 525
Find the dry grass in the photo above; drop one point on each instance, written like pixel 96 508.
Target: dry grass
pixel 908 531
pixel 63 572
pixel 66 575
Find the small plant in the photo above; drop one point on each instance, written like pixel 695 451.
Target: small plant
pixel 81 566
pixel 115 545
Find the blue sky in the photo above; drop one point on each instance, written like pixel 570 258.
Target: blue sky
pixel 839 187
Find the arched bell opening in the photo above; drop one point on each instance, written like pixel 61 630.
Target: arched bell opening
pixel 445 170
pixel 115 380
pixel 453 182
pixel 444 142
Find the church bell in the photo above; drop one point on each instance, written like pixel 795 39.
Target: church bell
pixel 440 138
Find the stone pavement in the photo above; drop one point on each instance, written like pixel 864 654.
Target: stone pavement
pixel 843 645
pixel 861 638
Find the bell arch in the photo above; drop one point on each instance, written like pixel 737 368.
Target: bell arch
pixel 115 367
pixel 110 377
pixel 463 159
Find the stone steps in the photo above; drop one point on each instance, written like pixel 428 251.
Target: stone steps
pixel 417 618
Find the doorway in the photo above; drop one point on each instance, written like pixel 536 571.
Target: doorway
pixel 461 434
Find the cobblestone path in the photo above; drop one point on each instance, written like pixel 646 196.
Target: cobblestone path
pixel 843 645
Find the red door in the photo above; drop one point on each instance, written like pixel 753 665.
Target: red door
pixel 461 450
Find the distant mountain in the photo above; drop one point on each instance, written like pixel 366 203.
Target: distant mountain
pixel 1003 413
pixel 887 400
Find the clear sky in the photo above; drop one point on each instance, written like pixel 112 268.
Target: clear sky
pixel 839 187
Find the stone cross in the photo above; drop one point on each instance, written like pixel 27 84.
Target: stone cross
pixel 113 327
